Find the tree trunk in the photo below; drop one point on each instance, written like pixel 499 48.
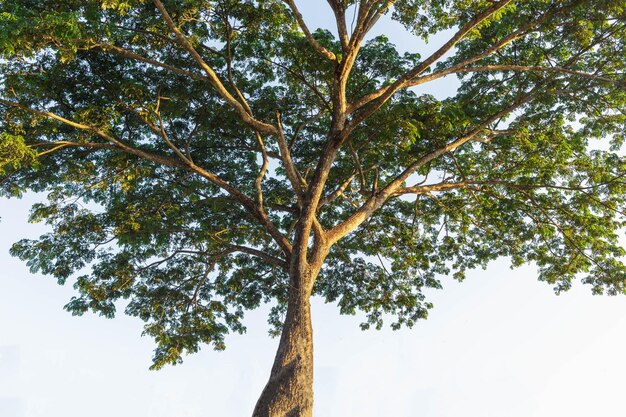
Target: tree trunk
pixel 289 391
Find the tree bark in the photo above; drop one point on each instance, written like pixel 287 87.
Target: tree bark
pixel 289 391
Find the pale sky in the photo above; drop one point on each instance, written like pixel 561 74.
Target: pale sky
pixel 500 344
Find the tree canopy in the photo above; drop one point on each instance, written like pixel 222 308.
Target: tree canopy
pixel 196 153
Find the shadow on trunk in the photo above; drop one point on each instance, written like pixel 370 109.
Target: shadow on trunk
pixel 289 391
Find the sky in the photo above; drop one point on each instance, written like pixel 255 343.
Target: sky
pixel 500 344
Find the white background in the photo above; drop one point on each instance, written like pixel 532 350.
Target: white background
pixel 499 344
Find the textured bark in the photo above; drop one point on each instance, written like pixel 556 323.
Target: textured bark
pixel 289 391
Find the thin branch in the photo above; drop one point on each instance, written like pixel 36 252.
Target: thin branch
pixel 98 132
pixel 260 254
pixel 116 50
pixel 166 138
pixel 162 37
pixel 292 172
pixel 563 232
pixel 259 179
pixel 517 68
pixel 379 198
pixel 212 76
pixel 304 124
pixel 306 82
pixel 235 193
pixel 357 164
pixel 384 93
pixel 214 260
pixel 160 261
pixel 262 171
pixel 229 69
pixel 339 191
pixel 67 144
pixel 443 186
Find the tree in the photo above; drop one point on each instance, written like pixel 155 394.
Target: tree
pixel 206 156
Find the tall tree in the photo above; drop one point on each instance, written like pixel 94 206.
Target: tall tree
pixel 202 157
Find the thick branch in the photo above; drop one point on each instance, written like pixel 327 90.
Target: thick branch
pixel 339 11
pixel 384 93
pixel 379 198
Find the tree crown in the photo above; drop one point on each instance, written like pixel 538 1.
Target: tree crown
pixel 196 152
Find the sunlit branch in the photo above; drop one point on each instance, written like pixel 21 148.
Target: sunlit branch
pixel 384 93
pixel 320 248
pixel 372 17
pixel 212 76
pixel 58 145
pixel 262 171
pixel 292 173
pixel 339 11
pixel 116 50
pixel 379 198
pixel 307 33
pixel 160 131
pixel 409 80
pixel 243 199
pixel 339 191
pixel 444 186
pixel 518 68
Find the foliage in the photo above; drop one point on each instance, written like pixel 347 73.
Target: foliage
pixel 153 172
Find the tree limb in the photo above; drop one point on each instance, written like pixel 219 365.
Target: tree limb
pixel 260 254
pixel 384 93
pixel 212 76
pixel 243 199
pixel 116 50
pixel 339 191
pixel 292 172
pixel 409 79
pixel 444 186
pixel 307 33
pixel 379 198
pixel 516 68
